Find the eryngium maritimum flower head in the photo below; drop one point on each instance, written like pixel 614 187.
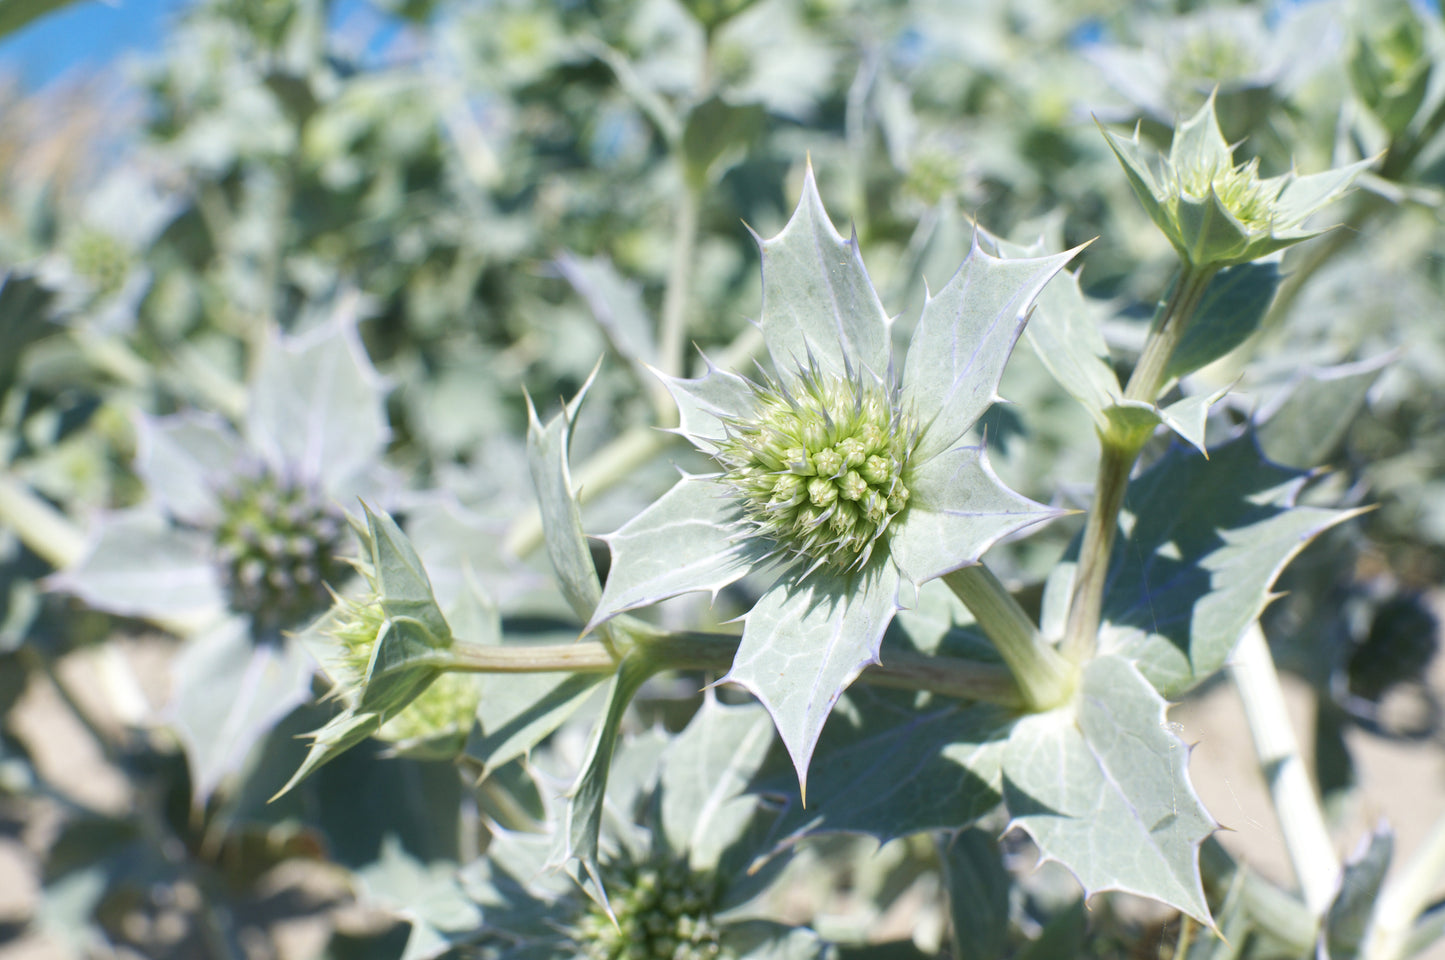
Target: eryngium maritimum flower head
pixel 818 469
pixel 836 473
pixel 1214 212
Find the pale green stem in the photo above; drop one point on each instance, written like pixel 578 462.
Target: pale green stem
pixel 194 372
pixel 672 335
pixel 1044 678
pixel 949 676
pixel 1150 375
pixel 113 357
pixel 1405 898
pixel 1301 820
pixel 1086 606
pixel 41 527
pixel 1116 463
pixel 620 459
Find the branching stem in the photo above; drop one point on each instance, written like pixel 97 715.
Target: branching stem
pixel 1044 678
pixel 1116 462
pixel 949 676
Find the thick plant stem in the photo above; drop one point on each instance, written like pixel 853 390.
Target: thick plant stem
pixel 1151 373
pixel 672 336
pixel 40 526
pixel 1298 809
pixel 1405 898
pixel 949 676
pixel 1116 461
pixel 1044 678
pixel 1086 606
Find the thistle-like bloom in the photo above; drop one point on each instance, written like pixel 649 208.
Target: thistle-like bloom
pixel 837 474
pixel 1217 213
pixel 684 883
pixel 239 535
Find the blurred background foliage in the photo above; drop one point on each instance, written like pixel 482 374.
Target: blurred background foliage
pixel 509 190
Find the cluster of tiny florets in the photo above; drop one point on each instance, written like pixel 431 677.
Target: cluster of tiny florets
pixel 443 713
pixel 355 625
pixel 663 912
pixel 1239 189
pixel 278 543
pixel 101 259
pixel 819 466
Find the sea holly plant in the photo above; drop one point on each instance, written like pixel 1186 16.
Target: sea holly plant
pixel 686 860
pixel 1216 212
pixel 848 480
pixel 241 534
pixel 848 485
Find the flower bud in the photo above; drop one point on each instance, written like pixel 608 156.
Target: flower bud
pixel 832 501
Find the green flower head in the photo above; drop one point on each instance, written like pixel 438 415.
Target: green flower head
pixel 1390 63
pixel 1217 213
pixel 819 469
pixel 842 476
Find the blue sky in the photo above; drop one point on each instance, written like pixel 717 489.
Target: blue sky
pixel 84 35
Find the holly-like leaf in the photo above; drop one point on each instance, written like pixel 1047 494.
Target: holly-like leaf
pixel 704 775
pixel 706 404
pixel 428 895
pixel 582 826
pixel 963 340
pixel 1102 786
pixel 686 541
pixel 402 586
pixel 1309 419
pixel 518 711
pixel 185 460
pixel 959 509
pixel 24 313
pixel 141 565
pixel 404 661
pixel 714 136
pixel 342 732
pixel 978 895
pixel 316 410
pixel 230 691
pixel 1065 332
pixel 818 304
pixel 1204 541
pixel 765 940
pixel 806 640
pixel 1230 310
pixel 561 515
pixel 887 769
